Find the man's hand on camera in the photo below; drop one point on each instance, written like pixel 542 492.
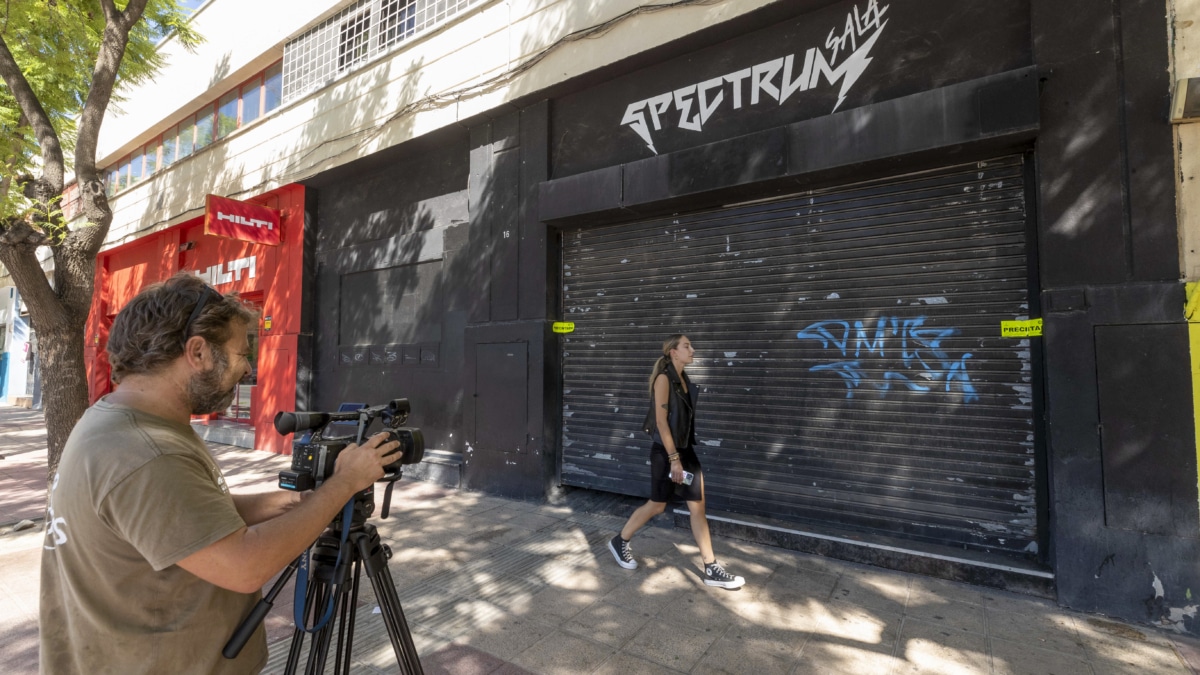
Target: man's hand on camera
pixel 362 465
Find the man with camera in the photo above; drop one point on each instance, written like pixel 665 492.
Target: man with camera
pixel 149 562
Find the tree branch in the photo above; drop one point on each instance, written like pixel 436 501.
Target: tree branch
pixel 31 108
pixel 104 78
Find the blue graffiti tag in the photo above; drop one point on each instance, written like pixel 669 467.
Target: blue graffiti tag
pixel 920 351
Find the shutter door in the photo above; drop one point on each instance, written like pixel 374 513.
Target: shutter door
pixel 849 357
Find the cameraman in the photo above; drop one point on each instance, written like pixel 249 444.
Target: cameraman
pixel 149 562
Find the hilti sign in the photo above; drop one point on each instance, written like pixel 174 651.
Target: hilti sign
pixel 224 273
pixel 238 220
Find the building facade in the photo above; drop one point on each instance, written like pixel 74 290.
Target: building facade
pixel 929 253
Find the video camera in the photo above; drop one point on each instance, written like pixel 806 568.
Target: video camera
pixel 314 455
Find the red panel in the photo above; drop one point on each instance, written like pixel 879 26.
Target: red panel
pixel 276 391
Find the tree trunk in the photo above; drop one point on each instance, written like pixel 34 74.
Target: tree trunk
pixel 64 386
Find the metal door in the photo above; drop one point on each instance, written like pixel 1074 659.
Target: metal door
pixel 850 359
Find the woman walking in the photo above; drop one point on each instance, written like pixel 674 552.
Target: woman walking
pixel 672 458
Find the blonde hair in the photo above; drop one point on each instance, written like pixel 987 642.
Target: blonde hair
pixel 663 361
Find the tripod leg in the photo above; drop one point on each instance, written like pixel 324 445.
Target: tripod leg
pixel 348 612
pixel 374 557
pixel 327 590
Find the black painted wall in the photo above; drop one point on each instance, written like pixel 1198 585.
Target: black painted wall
pixel 390 248
pixel 1121 434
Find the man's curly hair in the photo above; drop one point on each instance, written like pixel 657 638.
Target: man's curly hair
pixel 149 332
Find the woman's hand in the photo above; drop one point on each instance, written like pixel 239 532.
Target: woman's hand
pixel 676 472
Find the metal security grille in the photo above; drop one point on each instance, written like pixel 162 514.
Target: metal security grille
pixel 359 33
pixel 849 355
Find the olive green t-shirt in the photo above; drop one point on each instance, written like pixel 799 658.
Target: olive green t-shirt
pixel 134 495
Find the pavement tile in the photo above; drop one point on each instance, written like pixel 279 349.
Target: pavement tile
pixel 783 642
pixel 675 646
pixel 790 586
pixel 1092 628
pixel 563 654
pixel 1014 658
pixel 456 659
pixel 642 595
pixel 957 615
pixel 885 591
pixel 700 610
pixel 506 636
pixel 19 644
pixel 1109 657
pixel 554 605
pixel 610 624
pixel 627 664
pixel 560 575
pixel 931 648
pixel 1037 626
pixel 533 521
pixel 927 590
pixel 855 624
pixel 824 656
pixel 741 654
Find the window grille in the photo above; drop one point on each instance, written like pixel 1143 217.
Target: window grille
pixel 360 33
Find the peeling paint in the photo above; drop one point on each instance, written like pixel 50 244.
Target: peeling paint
pixel 711 444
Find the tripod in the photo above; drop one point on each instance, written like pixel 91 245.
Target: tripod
pixel 336 560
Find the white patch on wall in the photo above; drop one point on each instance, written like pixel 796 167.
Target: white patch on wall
pixel 833 296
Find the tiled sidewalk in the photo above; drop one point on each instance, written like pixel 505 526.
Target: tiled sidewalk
pixel 496 586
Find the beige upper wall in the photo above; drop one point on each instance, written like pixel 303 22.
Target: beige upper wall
pixel 440 79
pixel 1184 25
pixel 240 39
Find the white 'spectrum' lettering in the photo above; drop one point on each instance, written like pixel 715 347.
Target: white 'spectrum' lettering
pixel 776 79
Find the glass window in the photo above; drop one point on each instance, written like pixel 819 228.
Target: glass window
pixel 272 87
pixel 168 147
pixel 354 40
pixel 135 169
pixel 397 21
pixel 114 180
pixel 251 101
pixel 187 133
pixel 125 175
pixel 151 162
pixel 204 129
pixel 227 114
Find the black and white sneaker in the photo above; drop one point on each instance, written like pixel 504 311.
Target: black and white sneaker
pixel 620 551
pixel 715 575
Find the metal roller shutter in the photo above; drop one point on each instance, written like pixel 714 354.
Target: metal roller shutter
pixel 849 355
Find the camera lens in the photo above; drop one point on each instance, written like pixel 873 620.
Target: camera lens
pixel 412 447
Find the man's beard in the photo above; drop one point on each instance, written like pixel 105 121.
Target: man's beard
pixel 205 390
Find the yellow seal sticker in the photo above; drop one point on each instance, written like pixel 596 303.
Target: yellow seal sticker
pixel 1020 329
pixel 563 326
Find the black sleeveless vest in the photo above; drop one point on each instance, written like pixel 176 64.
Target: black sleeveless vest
pixel 681 410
